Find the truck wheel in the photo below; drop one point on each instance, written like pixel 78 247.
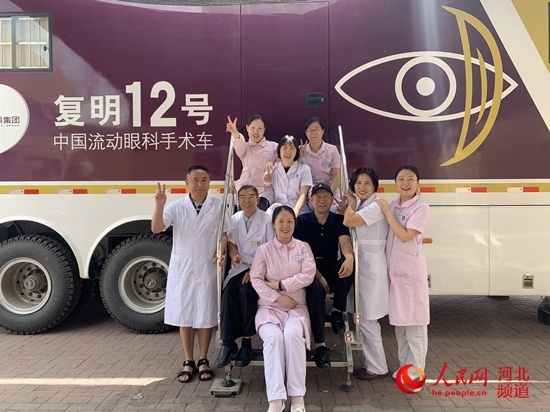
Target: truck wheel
pixel 133 282
pixel 39 284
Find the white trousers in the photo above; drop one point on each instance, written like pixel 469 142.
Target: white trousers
pixel 373 349
pixel 284 355
pixel 412 345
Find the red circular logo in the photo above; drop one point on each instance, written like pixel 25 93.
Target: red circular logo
pixel 407 384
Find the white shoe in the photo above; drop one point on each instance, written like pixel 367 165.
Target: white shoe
pixel 412 373
pixel 298 408
pixel 282 407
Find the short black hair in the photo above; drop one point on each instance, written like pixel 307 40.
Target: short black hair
pixel 292 139
pixel 256 117
pixel 363 170
pixel 197 167
pixel 280 209
pixel 413 169
pixel 314 120
pixel 246 187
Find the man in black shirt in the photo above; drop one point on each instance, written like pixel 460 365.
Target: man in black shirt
pixel 325 232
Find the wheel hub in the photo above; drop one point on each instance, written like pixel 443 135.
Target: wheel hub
pixel 24 286
pixel 153 281
pixel 142 284
pixel 35 282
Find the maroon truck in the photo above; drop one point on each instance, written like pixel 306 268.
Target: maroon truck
pixel 99 100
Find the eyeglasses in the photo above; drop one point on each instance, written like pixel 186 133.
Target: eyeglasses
pixel 313 130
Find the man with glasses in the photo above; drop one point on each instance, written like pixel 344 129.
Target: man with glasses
pixel 251 228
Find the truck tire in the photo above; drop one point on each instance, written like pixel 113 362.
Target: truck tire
pixel 39 284
pixel 133 282
pixel 87 285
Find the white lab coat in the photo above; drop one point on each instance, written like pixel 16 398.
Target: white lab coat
pixel 261 231
pixel 287 185
pixel 191 293
pixel 373 269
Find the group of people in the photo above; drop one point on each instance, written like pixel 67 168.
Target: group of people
pixel 289 245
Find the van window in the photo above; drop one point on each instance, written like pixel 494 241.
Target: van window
pixel 25 42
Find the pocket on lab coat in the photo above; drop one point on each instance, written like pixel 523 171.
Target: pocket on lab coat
pixel 404 265
pixel 175 268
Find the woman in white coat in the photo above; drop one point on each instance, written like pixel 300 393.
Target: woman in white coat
pixel 280 272
pixel 291 180
pixel 372 229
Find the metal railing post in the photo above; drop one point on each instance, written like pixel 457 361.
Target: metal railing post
pixel 351 338
pixel 353 235
pixel 227 188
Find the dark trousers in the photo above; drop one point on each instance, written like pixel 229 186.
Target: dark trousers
pixel 315 296
pixel 238 311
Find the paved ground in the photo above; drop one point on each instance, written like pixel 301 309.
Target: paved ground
pixel 90 363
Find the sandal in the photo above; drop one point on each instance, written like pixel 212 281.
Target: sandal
pixel 187 374
pixel 205 374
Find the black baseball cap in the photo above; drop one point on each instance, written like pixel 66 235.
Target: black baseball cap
pixel 321 186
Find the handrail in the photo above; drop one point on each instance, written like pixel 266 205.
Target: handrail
pixel 227 190
pixel 353 234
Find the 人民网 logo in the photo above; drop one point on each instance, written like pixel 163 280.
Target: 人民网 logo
pixel 406 383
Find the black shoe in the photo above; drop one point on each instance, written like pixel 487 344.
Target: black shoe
pixel 337 322
pixel 243 357
pixel 225 356
pixel 322 359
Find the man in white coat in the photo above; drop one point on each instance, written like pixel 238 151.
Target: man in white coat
pixel 251 228
pixel 191 292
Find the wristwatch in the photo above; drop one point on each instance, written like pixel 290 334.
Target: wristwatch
pixel 280 286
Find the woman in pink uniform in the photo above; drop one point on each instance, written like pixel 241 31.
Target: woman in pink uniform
pixel 254 155
pixel 409 304
pixel 280 272
pixel 322 158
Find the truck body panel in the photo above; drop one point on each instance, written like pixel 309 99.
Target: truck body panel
pixel 123 95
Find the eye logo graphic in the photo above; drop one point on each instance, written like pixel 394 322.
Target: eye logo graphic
pixel 408 385
pixel 425 86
